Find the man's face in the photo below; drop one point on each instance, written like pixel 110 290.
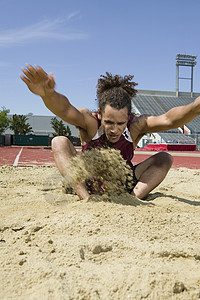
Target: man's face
pixel 113 122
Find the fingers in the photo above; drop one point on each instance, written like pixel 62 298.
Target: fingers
pixel 35 74
pixel 30 72
pixel 27 73
pixel 25 79
pixel 41 72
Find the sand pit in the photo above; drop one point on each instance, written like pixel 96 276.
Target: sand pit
pixel 54 246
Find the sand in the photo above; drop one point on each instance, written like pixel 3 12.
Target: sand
pixel 104 169
pixel 53 246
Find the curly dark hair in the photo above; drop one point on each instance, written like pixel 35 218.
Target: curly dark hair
pixel 116 91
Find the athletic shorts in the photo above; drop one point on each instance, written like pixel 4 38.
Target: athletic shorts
pixel 131 182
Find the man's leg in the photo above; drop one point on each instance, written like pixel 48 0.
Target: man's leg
pixel 151 172
pixel 63 150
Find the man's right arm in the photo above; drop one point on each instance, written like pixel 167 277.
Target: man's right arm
pixel 42 84
pixel 61 107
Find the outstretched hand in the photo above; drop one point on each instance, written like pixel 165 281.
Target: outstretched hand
pixel 38 81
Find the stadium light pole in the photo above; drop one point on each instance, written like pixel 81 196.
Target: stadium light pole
pixel 186 61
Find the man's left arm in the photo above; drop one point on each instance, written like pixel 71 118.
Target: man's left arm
pixel 174 118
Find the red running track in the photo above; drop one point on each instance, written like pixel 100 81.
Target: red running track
pixel 182 161
pixel 28 156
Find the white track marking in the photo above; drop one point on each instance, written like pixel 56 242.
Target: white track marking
pixel 17 158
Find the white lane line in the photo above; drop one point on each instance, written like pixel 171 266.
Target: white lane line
pixel 17 158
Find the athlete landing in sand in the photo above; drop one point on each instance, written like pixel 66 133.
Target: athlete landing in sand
pixel 112 126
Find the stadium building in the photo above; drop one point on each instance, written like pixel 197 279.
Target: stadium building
pixel 41 125
pixel 149 102
pixel 158 102
pixel 42 132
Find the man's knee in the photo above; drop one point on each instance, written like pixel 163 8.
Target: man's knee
pixel 163 159
pixel 59 142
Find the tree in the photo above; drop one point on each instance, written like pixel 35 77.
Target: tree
pixel 4 120
pixel 59 128
pixel 19 126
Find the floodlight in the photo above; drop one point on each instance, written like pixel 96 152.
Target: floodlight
pixel 186 61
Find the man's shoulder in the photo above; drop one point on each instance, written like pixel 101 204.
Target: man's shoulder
pixel 91 122
pixel 84 110
pixel 88 114
pixel 138 117
pixel 139 122
pixel 135 118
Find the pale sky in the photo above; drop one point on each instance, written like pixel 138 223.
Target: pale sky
pixel 79 40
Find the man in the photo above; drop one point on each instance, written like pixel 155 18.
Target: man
pixel 112 126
